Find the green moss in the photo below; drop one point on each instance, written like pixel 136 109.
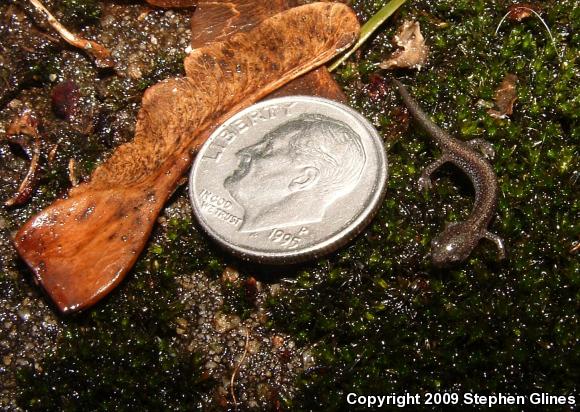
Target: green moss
pixel 381 319
pixel 79 13
pixel 239 297
pixel 92 369
pixel 185 250
pixel 121 354
pixel 165 66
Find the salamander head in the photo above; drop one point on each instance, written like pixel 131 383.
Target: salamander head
pixel 453 245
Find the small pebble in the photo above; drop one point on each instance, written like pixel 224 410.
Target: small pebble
pixel 230 275
pixel 223 323
pixel 24 314
pixel 134 72
pixel 211 365
pixel 277 341
pixel 15 104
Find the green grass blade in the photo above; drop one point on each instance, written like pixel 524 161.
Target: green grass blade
pixel 369 28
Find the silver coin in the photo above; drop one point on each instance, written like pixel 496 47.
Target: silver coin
pixel 289 179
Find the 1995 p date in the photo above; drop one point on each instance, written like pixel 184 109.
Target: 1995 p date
pixel 288 240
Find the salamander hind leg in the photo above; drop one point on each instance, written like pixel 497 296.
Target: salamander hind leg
pixel 483 146
pixel 498 243
pixel 425 182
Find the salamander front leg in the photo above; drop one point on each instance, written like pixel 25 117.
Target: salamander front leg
pixel 425 182
pixel 498 243
pixel 483 146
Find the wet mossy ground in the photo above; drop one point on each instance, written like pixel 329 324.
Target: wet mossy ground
pixel 122 355
pixel 378 318
pixel 382 319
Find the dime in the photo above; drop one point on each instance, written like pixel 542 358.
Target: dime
pixel 289 179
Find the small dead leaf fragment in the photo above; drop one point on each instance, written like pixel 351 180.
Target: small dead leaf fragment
pixel 26 124
pixel 377 89
pixel 413 52
pixel 100 54
pixel 68 104
pixel 251 289
pixel 52 154
pixel 505 97
pixel 65 98
pixel 521 11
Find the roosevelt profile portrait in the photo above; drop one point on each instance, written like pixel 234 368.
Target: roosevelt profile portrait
pixel 296 172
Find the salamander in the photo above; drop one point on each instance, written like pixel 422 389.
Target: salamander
pixel 456 242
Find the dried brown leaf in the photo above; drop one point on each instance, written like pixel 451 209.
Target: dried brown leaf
pixel 521 11
pixel 218 20
pixel 82 246
pixel 65 98
pixel 505 97
pixel 413 52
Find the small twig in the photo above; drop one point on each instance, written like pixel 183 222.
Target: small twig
pixel 101 55
pixel 237 368
pixel 72 175
pixel 28 183
pixel 369 28
pixel 26 124
pixel 52 153
pixel 541 19
pixel 47 36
